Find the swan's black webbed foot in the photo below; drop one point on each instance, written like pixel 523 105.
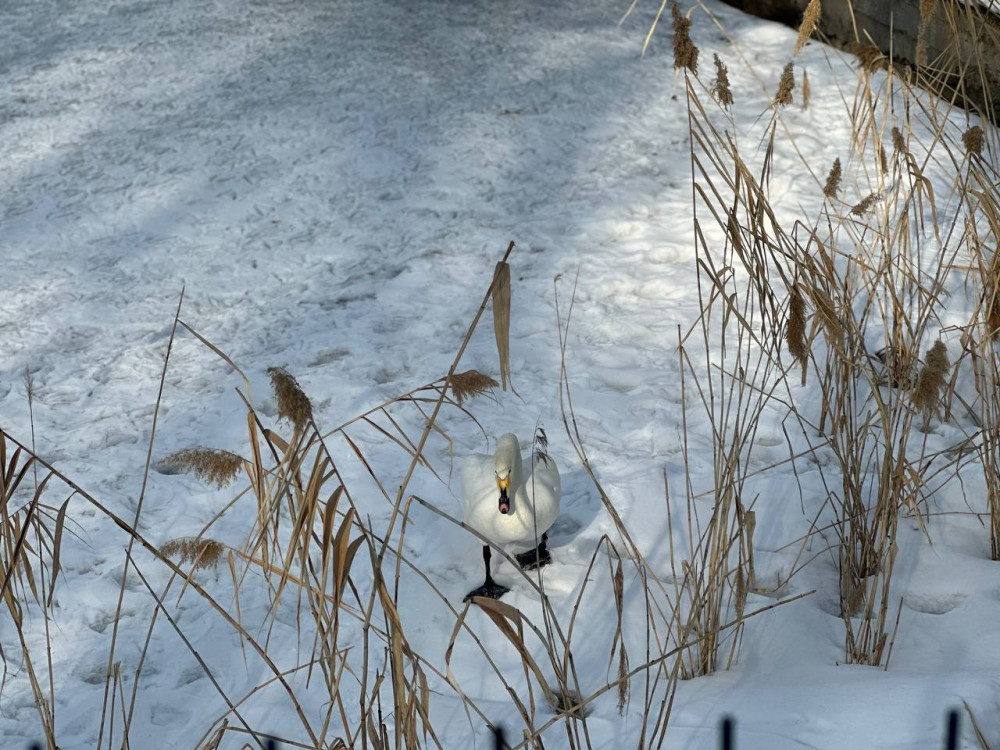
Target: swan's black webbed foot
pixel 535 558
pixel 490 589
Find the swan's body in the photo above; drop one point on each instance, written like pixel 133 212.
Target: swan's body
pixel 508 506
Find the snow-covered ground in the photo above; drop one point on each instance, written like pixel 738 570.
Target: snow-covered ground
pixel 330 183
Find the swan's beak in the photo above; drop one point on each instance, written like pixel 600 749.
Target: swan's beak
pixel 503 485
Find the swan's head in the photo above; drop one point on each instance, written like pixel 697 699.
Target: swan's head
pixel 505 466
pixel 503 485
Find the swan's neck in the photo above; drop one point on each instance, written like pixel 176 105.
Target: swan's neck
pixel 508 457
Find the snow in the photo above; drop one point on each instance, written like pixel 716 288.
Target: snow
pixel 330 183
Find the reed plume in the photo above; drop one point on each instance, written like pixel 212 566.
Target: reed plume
pixel 833 180
pixel 293 404
pixel 211 465
pixel 470 384
pixel 685 51
pixel 720 86
pixel 972 139
pixel 931 380
pixel 810 18
pixel 785 86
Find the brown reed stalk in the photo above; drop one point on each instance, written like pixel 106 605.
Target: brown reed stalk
pixel 806 90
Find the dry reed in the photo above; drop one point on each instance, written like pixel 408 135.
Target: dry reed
pixel 795 336
pixel 211 465
pixel 293 404
pixel 470 384
pixel 810 18
pixel 786 85
pixel 203 553
pixel 833 180
pixel 720 85
pixel 865 204
pixel 685 51
pixel 898 142
pixel 931 380
pixel 972 139
pixel 870 57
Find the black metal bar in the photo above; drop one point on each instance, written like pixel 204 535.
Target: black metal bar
pixel 951 739
pixel 728 733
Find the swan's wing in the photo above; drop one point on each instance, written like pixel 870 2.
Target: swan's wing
pixel 545 474
pixel 479 483
pixel 544 487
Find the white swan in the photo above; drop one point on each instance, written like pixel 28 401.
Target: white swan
pixel 508 507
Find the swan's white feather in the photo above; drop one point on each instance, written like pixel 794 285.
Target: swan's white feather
pixel 534 496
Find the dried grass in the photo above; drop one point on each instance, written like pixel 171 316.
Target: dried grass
pixel 865 204
pixel 932 379
pixel 500 290
pixel 203 553
pixel 806 90
pixel 833 180
pixel 720 85
pixel 810 18
pixel 786 84
pixel 293 404
pixel 899 142
pixel 870 57
pixel 972 139
pixel 798 346
pixel 470 384
pixel 212 465
pixel 685 51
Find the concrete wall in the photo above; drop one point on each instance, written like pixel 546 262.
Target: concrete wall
pixel 962 42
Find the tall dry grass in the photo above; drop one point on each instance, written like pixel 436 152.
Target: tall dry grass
pixel 848 302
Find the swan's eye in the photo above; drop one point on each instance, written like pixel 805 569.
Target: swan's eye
pixel 504 483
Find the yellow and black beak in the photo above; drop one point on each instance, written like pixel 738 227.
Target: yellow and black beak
pixel 504 485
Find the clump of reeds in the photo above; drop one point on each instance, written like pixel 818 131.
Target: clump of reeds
pixel 972 139
pixel 720 86
pixel 931 380
pixel 293 403
pixel 211 465
pixel 833 180
pixel 470 384
pixel 203 553
pixel 785 86
pixel 810 18
pixel 685 51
